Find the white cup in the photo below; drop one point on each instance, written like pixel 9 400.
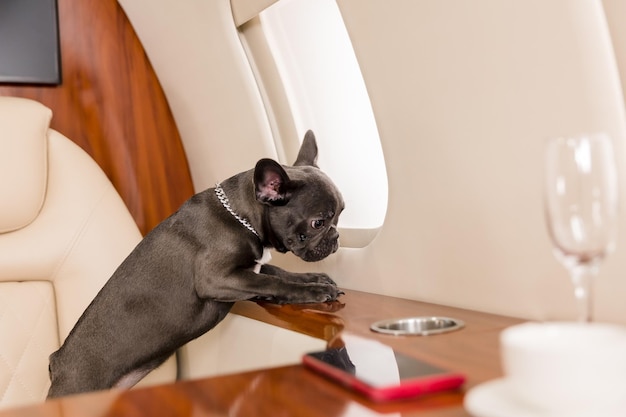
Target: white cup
pixel 567 367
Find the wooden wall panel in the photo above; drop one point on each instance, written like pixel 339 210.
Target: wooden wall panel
pixel 112 105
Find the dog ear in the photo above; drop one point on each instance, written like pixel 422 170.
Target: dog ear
pixel 308 150
pixel 272 185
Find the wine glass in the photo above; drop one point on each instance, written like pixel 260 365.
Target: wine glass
pixel 581 206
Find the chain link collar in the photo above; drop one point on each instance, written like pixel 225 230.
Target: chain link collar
pixel 221 195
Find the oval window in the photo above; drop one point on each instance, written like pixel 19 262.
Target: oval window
pixel 309 78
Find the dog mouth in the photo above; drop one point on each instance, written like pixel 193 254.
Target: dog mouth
pixel 319 252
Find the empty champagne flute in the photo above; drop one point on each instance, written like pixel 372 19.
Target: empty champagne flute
pixel 581 206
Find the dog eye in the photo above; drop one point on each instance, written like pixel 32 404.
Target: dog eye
pixel 316 224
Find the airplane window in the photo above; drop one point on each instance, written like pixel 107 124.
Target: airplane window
pixel 310 79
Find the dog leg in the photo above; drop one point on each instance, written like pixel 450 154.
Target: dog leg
pixel 287 288
pixel 131 379
pixel 296 277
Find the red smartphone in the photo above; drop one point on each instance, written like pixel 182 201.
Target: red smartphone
pixel 380 373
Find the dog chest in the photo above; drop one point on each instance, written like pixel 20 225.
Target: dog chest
pixel 265 258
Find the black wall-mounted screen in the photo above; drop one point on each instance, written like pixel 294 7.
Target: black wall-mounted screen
pixel 29 42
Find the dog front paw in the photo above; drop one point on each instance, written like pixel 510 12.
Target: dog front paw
pixel 314 293
pixel 318 277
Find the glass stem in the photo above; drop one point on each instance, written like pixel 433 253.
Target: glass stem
pixel 582 278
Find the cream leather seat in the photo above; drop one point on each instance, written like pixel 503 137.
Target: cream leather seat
pixel 63 231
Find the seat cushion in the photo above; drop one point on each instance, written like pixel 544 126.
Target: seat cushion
pixel 23 161
pixel 27 314
pixel 80 235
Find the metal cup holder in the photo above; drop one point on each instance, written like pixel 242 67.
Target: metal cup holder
pixel 417 326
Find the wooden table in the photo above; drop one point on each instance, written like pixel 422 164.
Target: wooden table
pixel 296 391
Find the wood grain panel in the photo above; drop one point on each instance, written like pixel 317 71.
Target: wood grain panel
pixel 471 350
pixel 112 105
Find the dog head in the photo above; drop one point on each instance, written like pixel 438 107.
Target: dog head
pixel 302 204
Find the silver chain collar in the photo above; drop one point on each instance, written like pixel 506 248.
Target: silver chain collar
pixel 221 195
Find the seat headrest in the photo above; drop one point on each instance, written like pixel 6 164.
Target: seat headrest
pixel 23 161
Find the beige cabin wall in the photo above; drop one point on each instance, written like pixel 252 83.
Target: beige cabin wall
pixel 464 96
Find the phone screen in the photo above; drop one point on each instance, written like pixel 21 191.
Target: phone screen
pixel 379 371
pixel 397 367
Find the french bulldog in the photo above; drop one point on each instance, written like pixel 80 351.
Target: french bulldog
pixel 185 275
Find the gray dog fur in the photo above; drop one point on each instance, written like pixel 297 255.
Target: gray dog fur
pixel 182 279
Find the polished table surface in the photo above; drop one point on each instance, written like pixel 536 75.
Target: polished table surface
pixel 296 391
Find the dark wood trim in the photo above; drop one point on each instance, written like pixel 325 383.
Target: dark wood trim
pixel 112 105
